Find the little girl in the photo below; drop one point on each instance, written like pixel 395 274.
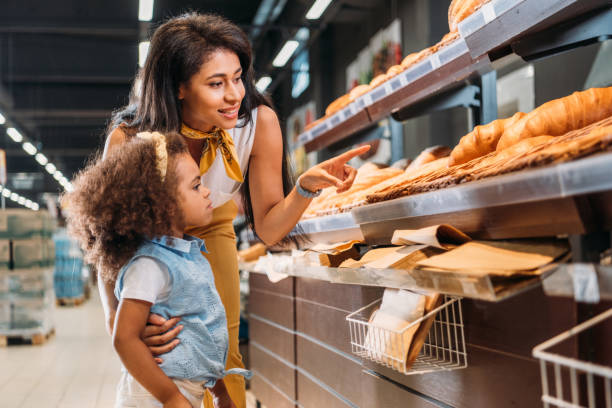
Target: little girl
pixel 129 212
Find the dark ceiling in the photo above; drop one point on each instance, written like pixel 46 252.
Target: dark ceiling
pixel 66 64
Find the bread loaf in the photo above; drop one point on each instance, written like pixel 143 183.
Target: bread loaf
pixel 357 91
pixel 377 80
pixel 482 140
pixel 459 10
pixel 394 70
pixel 560 116
pixel 336 105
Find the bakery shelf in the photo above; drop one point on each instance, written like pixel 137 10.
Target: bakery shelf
pixel 442 70
pixel 499 22
pixel 459 283
pixel 544 201
pixel 570 382
pixel 443 348
pixel 585 282
pixel 331 228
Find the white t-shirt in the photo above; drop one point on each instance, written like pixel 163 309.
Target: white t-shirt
pixel 146 279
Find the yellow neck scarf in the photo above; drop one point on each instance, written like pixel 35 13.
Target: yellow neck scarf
pixel 216 138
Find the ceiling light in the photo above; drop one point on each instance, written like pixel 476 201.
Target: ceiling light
pixel 50 167
pixel 285 53
pixel 41 159
pixel 28 202
pixel 14 196
pixel 35 206
pixel 145 10
pixel 263 83
pixel 69 188
pixel 21 200
pixel 29 148
pixel 143 50
pixel 317 9
pixel 14 134
pixel 6 192
pixel 2 119
pixel 57 175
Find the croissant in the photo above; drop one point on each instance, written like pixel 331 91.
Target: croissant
pixel 560 116
pixel 459 10
pixel 482 140
pixel 428 155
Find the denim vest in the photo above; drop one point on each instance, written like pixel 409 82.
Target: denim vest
pixel 202 352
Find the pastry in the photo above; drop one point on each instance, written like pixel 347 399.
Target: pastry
pixel 428 155
pixel 358 91
pixel 379 79
pixel 336 105
pixel 482 140
pixel 560 116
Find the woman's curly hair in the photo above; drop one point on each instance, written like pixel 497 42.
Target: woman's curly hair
pixel 121 200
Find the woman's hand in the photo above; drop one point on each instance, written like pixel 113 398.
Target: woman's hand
pixel 333 172
pixel 160 335
pixel 177 401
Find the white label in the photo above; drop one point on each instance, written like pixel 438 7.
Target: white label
pixel 435 61
pixel 586 287
pixel 488 12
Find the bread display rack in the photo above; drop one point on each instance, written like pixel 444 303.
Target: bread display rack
pixel 497 29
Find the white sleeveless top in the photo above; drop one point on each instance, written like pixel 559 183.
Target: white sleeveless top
pixel 222 188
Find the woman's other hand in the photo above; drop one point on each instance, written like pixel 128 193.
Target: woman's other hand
pixel 160 335
pixel 333 172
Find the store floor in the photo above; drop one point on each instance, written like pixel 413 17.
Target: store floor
pixel 75 368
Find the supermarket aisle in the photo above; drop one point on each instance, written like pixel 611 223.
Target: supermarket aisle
pixel 76 368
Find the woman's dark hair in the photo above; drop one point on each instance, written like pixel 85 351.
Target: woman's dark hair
pixel 177 51
pixel 121 200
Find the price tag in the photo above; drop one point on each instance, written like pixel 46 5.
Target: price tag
pixel 586 287
pixel 435 61
pixel 488 12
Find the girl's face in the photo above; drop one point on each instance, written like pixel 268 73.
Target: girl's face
pixel 192 196
pixel 213 95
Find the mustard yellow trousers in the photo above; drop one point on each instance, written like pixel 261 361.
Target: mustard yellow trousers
pixel 220 242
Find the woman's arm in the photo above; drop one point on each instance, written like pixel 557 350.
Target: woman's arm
pixel 274 214
pixel 131 319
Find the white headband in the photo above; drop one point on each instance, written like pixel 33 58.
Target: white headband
pixel 161 153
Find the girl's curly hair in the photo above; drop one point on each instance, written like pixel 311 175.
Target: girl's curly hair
pixel 121 200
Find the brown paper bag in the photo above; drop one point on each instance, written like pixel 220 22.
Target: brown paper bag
pixel 334 254
pixel 441 236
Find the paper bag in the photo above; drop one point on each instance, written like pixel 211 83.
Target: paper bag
pixel 441 236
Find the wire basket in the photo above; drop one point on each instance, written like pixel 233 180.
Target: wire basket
pixel 588 383
pixel 443 347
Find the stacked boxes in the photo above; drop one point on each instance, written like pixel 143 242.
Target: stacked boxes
pixel 69 277
pixel 26 274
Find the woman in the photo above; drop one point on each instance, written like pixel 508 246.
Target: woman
pixel 198 80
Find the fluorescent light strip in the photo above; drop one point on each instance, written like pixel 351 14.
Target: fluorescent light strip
pixel 29 148
pixel 41 159
pixel 33 151
pixel 143 50
pixel 285 53
pixel 14 134
pixel 317 9
pixel 145 10
pixel 263 83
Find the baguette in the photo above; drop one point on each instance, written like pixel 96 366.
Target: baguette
pixel 482 140
pixel 560 116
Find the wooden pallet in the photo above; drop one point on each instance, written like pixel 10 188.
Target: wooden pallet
pixel 76 301
pixel 35 339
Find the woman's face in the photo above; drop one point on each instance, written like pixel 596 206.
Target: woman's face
pixel 213 95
